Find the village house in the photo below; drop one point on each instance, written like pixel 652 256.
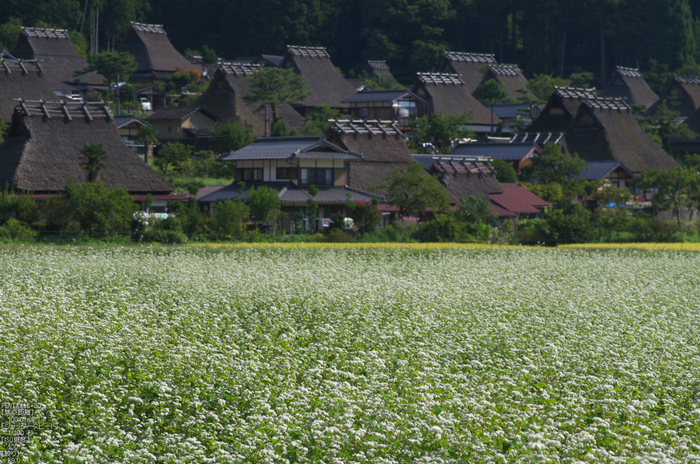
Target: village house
pixel 225 99
pixel 561 109
pixel 470 67
pixel 381 144
pixel 377 71
pixel 682 95
pixel 155 55
pixel 515 115
pixel 59 60
pixel 611 172
pixel 397 105
pixel 448 94
pixel 21 79
pixel 294 167
pixel 605 129
pixel 629 83
pixel 327 87
pixel 512 78
pixel 182 123
pixel 43 150
pixel 517 202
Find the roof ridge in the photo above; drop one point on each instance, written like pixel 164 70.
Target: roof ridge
pixel 574 92
pixel 239 69
pixel 307 52
pixel 506 69
pixel 60 109
pixel 629 72
pixel 152 28
pixel 687 79
pixel 471 57
pixel 365 126
pixel 378 64
pixel 45 33
pixel 440 78
pixel 608 103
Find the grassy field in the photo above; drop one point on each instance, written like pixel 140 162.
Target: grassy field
pixel 420 353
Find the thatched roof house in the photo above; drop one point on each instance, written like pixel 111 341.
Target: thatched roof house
pixel 327 87
pixel 381 144
pixel 682 95
pixel 462 176
pixel 511 76
pixel 181 122
pixel 561 109
pixel 378 68
pixel 55 52
pixel 629 83
pixel 471 67
pixel 155 55
pixel 43 150
pixel 448 94
pixel 224 98
pixel 21 79
pixel 377 71
pixel 605 129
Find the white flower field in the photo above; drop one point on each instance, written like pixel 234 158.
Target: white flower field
pixel 351 355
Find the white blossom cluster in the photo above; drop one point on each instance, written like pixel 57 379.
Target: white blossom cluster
pixel 347 355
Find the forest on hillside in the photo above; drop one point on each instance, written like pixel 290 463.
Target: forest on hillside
pixel 556 37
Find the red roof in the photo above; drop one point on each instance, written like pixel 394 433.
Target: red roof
pixel 501 212
pixel 517 199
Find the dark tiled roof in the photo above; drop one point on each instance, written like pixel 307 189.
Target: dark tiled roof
pixel 510 110
pixel 124 120
pixel 380 96
pixel 471 57
pixel 517 199
pixel 500 151
pixel 340 195
pixel 273 59
pixel 313 147
pixel 599 169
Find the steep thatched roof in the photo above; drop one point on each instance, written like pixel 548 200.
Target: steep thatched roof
pixel 561 109
pixel 327 87
pixel 155 55
pixel 378 68
pixel 462 176
pixel 21 79
pixel 470 67
pixel 682 95
pixel 381 144
pixel 43 150
pixel 511 76
pixel 224 98
pixel 448 94
pixel 605 129
pixel 55 52
pixel 629 83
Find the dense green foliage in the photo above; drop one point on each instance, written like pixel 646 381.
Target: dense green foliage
pixel 554 37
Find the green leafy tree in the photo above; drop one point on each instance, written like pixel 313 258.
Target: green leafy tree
pixel 505 172
pixel 492 92
pixel 229 216
pixel 581 79
pixel 148 135
pixel 111 64
pixel 100 210
pixel 437 132
pixel 542 85
pixel 9 32
pixel 263 202
pixel 93 160
pixel 274 87
pixel 413 191
pixel 555 166
pixel 171 155
pixel 317 123
pixel 664 125
pixel 231 136
pixel 365 215
pixel 3 129
pixel 678 188
pixel 474 210
pixel 209 55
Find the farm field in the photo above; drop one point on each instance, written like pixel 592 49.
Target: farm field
pixel 350 354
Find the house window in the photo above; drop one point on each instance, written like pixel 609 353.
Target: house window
pixel 286 173
pixel 252 174
pixel 362 112
pixel 316 176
